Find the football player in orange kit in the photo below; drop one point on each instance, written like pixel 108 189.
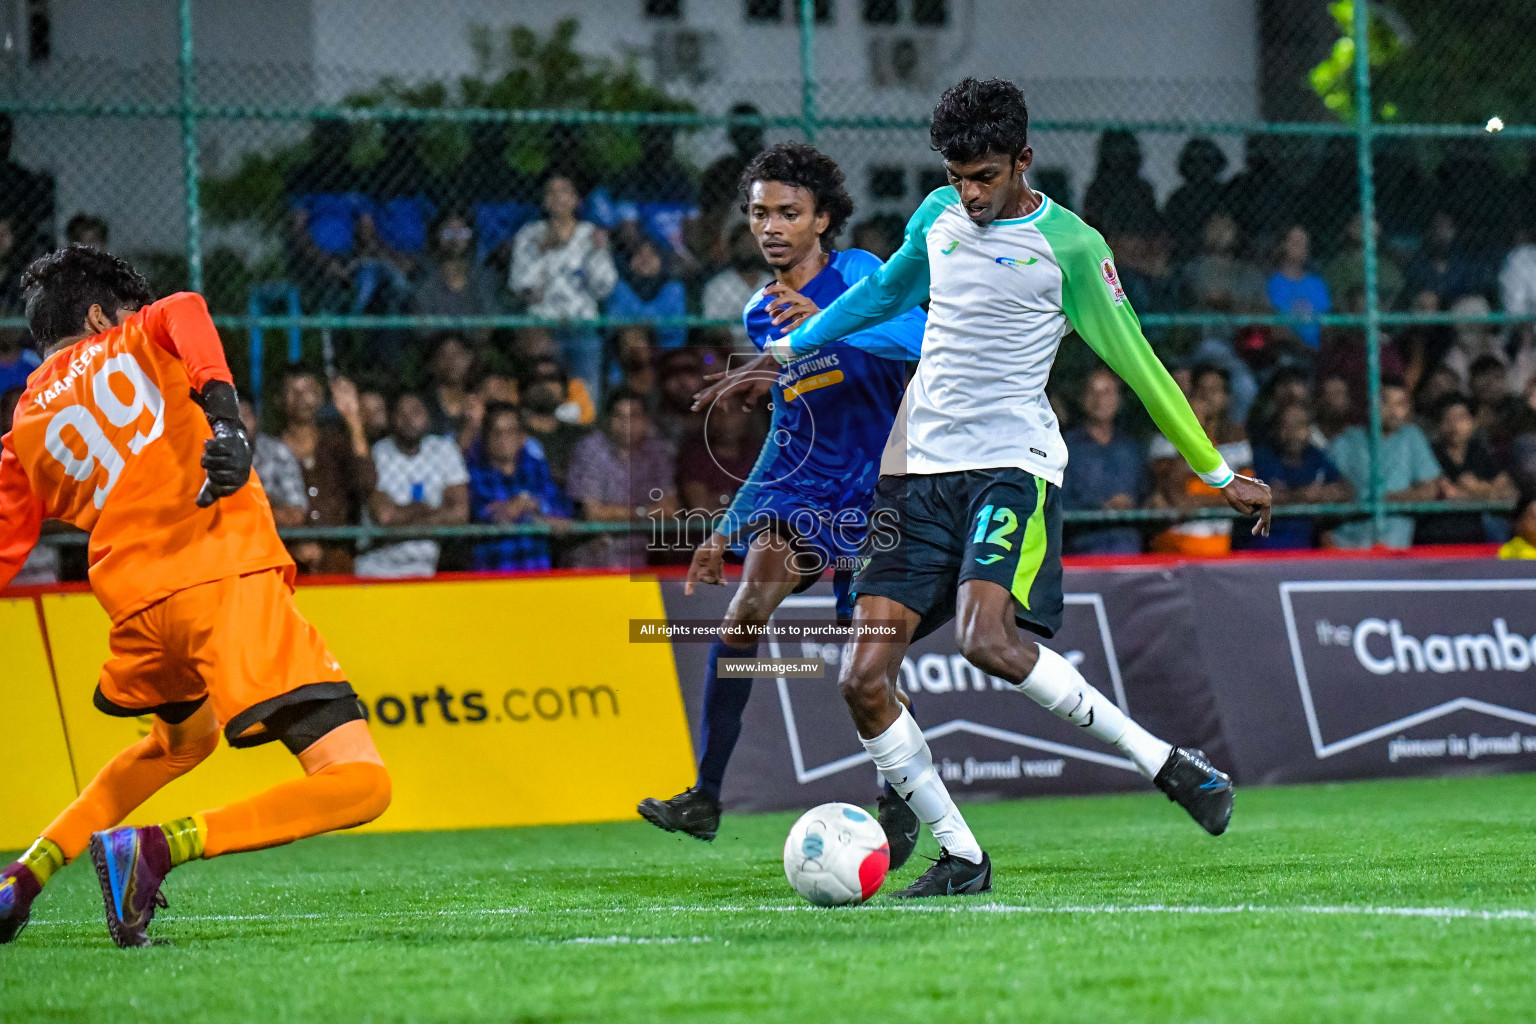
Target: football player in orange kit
pixel 130 429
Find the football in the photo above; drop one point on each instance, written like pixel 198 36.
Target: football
pixel 836 855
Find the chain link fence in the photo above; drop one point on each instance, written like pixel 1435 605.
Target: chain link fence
pixel 346 183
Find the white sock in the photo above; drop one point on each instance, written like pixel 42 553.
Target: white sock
pixel 1061 689
pixel 904 760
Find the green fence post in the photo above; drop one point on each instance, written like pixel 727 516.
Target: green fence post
pixel 1364 129
pixel 189 151
pixel 808 69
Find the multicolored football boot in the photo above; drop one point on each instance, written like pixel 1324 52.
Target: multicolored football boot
pixel 18 888
pixel 131 863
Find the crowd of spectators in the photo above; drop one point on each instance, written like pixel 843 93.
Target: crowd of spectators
pixel 1289 401
pixel 1301 437
pixel 653 245
pixel 476 447
pixel 557 426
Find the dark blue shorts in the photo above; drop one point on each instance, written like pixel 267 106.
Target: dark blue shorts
pixel 934 532
pixel 825 536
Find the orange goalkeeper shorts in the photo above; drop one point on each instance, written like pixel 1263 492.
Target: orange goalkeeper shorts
pixel 238 643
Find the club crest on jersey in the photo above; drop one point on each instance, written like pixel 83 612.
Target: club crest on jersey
pixel 1112 280
pixel 1014 261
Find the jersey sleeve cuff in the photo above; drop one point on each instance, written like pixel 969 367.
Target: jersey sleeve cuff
pixel 780 349
pixel 1218 477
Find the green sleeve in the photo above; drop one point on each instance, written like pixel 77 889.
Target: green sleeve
pixel 1094 302
pixel 899 285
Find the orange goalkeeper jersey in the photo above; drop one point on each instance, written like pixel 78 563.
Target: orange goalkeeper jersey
pixel 109 439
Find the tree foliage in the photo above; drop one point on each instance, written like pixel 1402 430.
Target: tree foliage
pixel 1437 62
pixel 516 69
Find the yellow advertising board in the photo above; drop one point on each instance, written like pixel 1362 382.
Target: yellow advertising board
pixel 36 748
pixel 495 702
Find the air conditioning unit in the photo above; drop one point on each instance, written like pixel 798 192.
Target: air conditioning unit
pixel 686 55
pixel 901 61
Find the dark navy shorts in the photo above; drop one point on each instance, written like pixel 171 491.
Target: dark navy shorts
pixel 931 533
pixel 825 537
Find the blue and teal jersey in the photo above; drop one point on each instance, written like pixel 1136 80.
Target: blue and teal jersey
pixel 832 410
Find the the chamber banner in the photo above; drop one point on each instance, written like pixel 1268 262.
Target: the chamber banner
pixel 1282 671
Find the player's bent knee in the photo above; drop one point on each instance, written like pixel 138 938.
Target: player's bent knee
pixel 864 689
pixel 747 608
pixel 375 789
pixel 193 751
pixel 987 648
pixel 182 747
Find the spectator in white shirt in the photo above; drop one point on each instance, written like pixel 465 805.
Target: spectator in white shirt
pixel 728 292
pixel 1517 294
pixel 422 482
pixel 561 269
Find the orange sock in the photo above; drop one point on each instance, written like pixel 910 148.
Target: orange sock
pixel 132 777
pixel 345 784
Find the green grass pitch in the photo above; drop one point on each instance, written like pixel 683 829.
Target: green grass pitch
pixel 1398 901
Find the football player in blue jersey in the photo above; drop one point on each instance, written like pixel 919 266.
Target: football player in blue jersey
pixel 804 508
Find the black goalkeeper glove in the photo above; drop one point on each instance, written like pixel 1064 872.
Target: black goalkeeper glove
pixel 227 455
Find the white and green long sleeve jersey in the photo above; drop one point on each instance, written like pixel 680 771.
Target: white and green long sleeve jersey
pixel 1001 299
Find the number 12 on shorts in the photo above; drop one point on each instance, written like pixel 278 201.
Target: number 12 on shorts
pixel 1007 522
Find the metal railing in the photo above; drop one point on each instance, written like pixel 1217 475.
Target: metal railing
pixel 191 115
pixel 576 531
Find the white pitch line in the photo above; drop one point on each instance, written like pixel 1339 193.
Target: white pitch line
pixel 633 940
pixel 1087 910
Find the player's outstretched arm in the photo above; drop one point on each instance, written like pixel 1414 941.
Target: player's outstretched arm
pixel 749 382
pixel 21 514
pixel 899 338
pixel 899 285
pixel 1097 307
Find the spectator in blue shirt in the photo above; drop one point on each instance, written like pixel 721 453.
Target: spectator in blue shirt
pixel 646 291
pixel 510 482
pixel 16 364
pixel 1105 470
pixel 1299 473
pixel 1295 288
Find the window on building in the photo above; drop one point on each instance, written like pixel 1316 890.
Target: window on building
pixel 823 11
pixel 671 9
pixel 881 12
pixel 887 182
pixel 930 178
pixel 39 31
pixel 765 10
pixel 932 13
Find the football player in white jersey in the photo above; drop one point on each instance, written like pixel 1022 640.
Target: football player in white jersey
pixel 972 471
